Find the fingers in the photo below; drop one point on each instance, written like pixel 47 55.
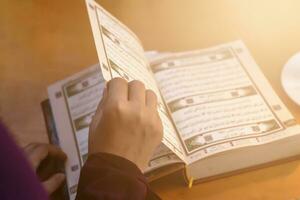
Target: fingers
pixel 117 89
pixel 30 147
pixel 104 97
pixel 53 183
pixel 136 92
pixel 56 152
pixel 98 114
pixel 151 99
pixel 38 152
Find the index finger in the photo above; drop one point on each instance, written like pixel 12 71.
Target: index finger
pixel 98 114
pixel 151 99
pixel 56 152
pixel 117 89
pixel 37 152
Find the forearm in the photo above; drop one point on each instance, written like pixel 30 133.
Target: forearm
pixel 106 176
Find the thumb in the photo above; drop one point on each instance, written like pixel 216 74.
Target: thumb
pixel 53 183
pixel 98 114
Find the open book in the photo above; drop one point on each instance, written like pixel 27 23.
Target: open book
pixel 220 115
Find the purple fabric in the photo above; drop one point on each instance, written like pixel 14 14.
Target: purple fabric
pixel 17 179
pixel 104 176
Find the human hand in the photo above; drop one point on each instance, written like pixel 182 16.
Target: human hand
pixel 126 123
pixel 45 160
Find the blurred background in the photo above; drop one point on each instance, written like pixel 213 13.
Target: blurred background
pixel 45 41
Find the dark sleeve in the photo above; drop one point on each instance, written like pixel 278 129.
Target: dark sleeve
pixel 110 177
pixel 17 179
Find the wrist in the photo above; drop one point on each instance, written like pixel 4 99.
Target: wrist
pixel 117 162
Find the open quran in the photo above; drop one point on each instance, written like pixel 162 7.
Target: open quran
pixel 220 115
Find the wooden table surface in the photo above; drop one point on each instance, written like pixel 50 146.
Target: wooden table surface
pixel 45 41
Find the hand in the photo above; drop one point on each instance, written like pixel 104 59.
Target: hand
pixel 45 159
pixel 126 123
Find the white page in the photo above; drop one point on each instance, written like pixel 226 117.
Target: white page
pixel 121 55
pixel 73 102
pixel 220 100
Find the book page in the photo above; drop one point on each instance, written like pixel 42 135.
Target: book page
pixel 162 156
pixel 74 102
pixel 220 100
pixel 121 55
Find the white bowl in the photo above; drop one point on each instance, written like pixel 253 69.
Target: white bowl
pixel 290 78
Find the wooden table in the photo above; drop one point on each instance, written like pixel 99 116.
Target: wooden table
pixel 44 41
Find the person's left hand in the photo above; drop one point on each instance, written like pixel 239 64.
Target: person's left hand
pixel 47 160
